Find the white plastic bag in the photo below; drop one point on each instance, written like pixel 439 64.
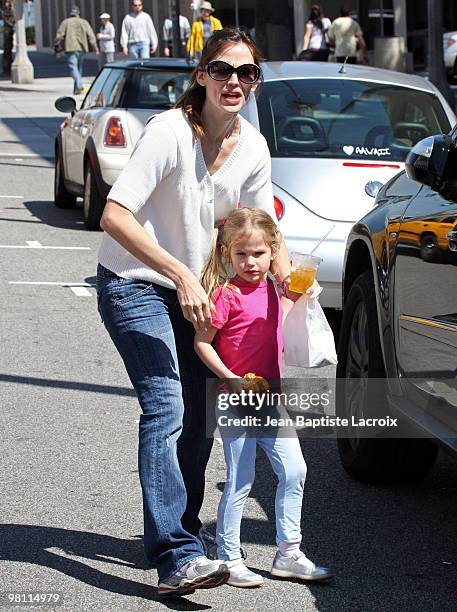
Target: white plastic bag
pixel 308 339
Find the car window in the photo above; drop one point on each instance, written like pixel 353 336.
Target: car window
pixel 156 88
pixel 112 88
pixel 346 119
pixel 93 97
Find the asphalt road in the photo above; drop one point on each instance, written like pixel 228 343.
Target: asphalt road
pixel 70 508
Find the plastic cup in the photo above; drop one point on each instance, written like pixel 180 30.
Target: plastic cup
pixel 303 271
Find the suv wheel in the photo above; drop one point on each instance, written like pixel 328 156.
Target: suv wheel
pixel 94 203
pixel 371 460
pixel 62 197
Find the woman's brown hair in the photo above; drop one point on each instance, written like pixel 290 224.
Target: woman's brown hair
pixel 193 98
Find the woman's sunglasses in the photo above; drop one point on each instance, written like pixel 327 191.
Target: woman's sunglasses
pixel 221 71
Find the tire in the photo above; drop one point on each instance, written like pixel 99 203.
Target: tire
pixel 372 460
pixel 430 251
pixel 93 201
pixel 62 197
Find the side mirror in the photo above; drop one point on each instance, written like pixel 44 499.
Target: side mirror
pixel 65 104
pixel 427 161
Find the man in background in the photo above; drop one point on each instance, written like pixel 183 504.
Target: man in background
pixel 76 37
pixel 346 34
pixel 184 32
pixel 138 34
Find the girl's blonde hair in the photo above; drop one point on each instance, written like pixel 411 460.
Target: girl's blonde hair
pixel 239 224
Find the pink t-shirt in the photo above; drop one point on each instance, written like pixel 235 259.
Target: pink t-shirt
pixel 250 328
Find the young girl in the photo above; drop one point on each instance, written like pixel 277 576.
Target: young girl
pixel 246 329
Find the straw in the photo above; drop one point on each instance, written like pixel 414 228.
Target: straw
pixel 323 238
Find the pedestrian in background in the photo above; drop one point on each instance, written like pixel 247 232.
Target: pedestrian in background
pixel 76 37
pixel 315 46
pixel 347 36
pixel 105 37
pixel 202 29
pixel 184 33
pixel 138 34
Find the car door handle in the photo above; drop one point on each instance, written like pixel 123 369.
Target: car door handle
pixel 452 239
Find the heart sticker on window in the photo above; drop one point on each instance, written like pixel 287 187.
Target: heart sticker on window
pixel 348 150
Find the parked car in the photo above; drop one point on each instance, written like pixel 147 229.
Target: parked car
pixel 95 143
pixel 335 136
pixel 399 325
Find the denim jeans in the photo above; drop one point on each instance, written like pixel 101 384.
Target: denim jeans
pixel 75 65
pixel 147 326
pixel 289 466
pixel 139 50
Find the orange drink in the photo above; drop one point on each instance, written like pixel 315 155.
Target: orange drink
pixel 303 271
pixel 301 279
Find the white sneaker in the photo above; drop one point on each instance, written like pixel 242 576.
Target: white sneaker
pixel 298 566
pixel 200 573
pixel 241 576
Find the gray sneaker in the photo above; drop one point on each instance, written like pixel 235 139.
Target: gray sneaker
pixel 298 566
pixel 210 546
pixel 241 576
pixel 200 573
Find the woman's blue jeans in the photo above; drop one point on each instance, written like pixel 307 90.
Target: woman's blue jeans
pixel 148 328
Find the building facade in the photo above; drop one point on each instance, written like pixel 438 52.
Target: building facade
pixel 378 18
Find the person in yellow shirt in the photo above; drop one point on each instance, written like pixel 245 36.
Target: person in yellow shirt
pixel 202 28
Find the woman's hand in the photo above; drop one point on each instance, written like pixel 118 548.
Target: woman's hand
pixel 194 302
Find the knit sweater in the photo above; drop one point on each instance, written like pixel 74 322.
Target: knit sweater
pixel 168 188
pixel 138 28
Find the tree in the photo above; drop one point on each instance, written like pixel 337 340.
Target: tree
pixel 274 30
pixel 7 7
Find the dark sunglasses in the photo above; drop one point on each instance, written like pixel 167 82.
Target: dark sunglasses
pixel 221 71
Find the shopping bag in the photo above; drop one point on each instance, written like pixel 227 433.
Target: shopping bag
pixel 308 339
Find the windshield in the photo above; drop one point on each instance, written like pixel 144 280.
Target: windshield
pixel 346 119
pixel 156 88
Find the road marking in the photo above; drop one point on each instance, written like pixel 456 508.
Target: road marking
pixel 81 291
pixel 34 244
pixel 11 196
pixel 53 284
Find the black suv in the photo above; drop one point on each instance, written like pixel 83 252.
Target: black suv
pixel 399 323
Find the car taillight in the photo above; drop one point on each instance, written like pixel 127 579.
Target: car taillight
pixel 279 207
pixel 450 42
pixel 114 134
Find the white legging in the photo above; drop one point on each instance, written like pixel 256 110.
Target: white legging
pixel 289 466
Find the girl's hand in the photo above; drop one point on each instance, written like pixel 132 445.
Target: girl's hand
pixel 194 302
pixel 315 290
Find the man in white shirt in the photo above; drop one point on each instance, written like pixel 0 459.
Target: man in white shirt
pixel 184 33
pixel 138 35
pixel 346 34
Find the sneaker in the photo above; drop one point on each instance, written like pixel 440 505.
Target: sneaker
pixel 200 573
pixel 298 566
pixel 210 546
pixel 241 576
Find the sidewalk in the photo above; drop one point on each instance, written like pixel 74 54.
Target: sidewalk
pixel 29 121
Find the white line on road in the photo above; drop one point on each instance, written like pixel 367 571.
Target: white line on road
pixel 11 196
pixel 81 291
pixel 54 284
pixel 31 245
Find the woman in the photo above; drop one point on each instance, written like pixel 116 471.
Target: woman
pixel 202 29
pixel 106 37
pixel 315 47
pixel 191 166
